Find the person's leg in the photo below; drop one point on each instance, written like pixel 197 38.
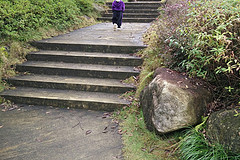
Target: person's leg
pixel 114 18
pixel 119 20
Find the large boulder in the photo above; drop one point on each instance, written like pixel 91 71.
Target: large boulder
pixel 224 127
pixel 172 101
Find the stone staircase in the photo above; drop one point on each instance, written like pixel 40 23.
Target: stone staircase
pixel 74 75
pixel 138 12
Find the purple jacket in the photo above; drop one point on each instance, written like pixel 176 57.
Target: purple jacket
pixel 118 6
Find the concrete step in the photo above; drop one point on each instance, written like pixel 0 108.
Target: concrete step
pixel 134 15
pixel 135 20
pixel 142 3
pixel 142 6
pixel 137 11
pixel 77 69
pixel 85 47
pixel 71 83
pixel 80 69
pixel 86 57
pixel 150 1
pixel 65 98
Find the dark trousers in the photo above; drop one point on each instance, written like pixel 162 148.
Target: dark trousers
pixel 117 18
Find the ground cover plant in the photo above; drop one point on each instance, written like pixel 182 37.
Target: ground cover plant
pixel 194 146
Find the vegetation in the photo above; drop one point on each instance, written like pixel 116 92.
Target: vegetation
pixel 209 47
pixel 21 19
pixel 195 147
pixel 200 38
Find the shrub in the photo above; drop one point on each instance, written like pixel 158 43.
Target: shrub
pixel 201 38
pixel 209 46
pixel 19 18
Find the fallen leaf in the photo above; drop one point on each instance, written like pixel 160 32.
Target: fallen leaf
pixel 144 150
pixel 105 131
pixel 121 132
pixel 179 82
pixel 1 126
pixel 106 115
pixel 151 150
pixel 88 132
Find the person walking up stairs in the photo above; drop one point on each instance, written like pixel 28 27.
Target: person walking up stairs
pixel 118 7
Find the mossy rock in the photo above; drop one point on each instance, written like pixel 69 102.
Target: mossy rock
pixel 224 127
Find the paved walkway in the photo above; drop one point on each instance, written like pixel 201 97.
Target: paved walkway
pixel 103 34
pixel 45 133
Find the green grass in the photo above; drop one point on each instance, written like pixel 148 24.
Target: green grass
pixel 140 143
pixel 195 147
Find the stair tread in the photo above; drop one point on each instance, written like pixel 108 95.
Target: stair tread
pixel 86 54
pixel 138 9
pixel 78 66
pixel 139 2
pixel 140 14
pixel 69 95
pixel 71 80
pixel 128 18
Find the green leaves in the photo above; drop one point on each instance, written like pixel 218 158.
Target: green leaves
pixel 3 54
pixel 212 46
pixel 19 17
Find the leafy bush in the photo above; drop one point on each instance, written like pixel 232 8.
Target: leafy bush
pixel 200 38
pixel 19 18
pixel 209 46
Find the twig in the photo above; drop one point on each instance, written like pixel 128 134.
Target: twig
pixel 79 124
